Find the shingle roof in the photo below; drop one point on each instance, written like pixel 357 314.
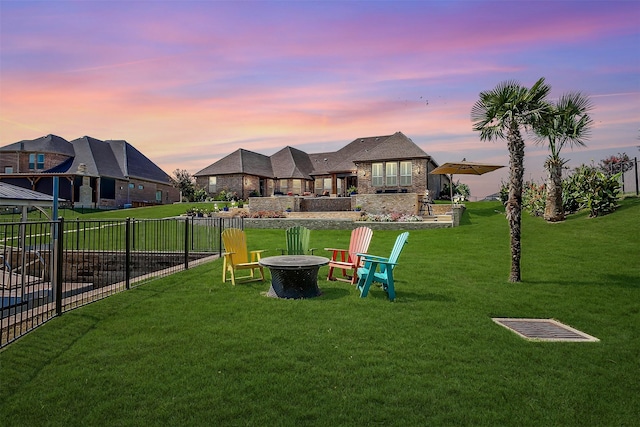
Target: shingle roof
pixel 112 159
pixel 88 151
pixel 44 144
pixel 395 147
pixel 240 161
pixel 291 163
pixel 135 164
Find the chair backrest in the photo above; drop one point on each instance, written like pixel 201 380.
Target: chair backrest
pixel 235 240
pixel 360 240
pixel 401 240
pixel 298 238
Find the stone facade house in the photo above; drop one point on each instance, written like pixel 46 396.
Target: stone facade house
pixel 378 164
pixel 91 172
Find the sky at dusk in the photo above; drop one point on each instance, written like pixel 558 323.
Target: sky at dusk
pixel 188 82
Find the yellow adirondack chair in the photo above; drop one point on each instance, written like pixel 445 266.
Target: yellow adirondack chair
pixel 236 257
pixel 349 259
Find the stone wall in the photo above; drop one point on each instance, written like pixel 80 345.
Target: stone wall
pixel 339 224
pixel 403 203
pixel 326 204
pixel 275 203
pixel 99 268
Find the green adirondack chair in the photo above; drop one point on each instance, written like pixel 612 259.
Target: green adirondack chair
pixel 298 241
pixel 379 269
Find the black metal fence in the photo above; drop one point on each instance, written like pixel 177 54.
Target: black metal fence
pixel 50 267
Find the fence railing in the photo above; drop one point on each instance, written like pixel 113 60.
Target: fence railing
pixel 49 267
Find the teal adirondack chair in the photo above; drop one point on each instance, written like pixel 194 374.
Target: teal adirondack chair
pixel 298 241
pixel 379 269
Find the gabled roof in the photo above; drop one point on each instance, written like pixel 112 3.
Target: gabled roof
pixel 239 162
pixel 395 147
pixel 44 144
pixel 373 148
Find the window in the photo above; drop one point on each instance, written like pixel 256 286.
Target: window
pixel 158 195
pixel 140 187
pixel 391 174
pixel 405 173
pixel 32 161
pixel 283 185
pixel 132 185
pixel 376 174
pixel 213 184
pixel 40 164
pixel 326 186
pixel 8 169
pixel 297 186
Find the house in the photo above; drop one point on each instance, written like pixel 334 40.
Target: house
pixel 91 172
pixel 378 164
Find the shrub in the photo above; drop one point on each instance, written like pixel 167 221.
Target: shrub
pixel 392 217
pixel 533 198
pixel 265 214
pixel 593 190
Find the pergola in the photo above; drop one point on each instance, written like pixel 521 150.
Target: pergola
pixel 13 196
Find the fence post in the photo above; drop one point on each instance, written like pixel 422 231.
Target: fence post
pixel 127 256
pixel 186 242
pixel 220 236
pixel 58 247
pixel 635 161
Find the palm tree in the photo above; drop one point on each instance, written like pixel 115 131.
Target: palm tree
pixel 498 114
pixel 567 122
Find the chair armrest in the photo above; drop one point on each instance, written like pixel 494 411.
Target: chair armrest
pixel 255 255
pixel 372 257
pixel 344 254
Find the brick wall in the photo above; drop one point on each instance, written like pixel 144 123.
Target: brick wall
pixel 20 161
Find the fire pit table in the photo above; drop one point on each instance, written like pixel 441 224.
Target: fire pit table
pixel 294 276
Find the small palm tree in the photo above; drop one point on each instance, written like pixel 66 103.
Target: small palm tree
pixel 567 123
pixel 500 114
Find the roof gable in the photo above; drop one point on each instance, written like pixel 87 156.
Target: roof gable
pixel 397 146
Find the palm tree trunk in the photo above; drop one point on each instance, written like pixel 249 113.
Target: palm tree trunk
pixel 553 208
pixel 514 203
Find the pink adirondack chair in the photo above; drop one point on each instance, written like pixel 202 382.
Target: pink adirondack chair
pixel 348 260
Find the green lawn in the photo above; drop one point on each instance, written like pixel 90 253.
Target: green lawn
pixel 190 350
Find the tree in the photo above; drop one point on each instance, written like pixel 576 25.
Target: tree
pixel 183 181
pixel 500 114
pixel 567 122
